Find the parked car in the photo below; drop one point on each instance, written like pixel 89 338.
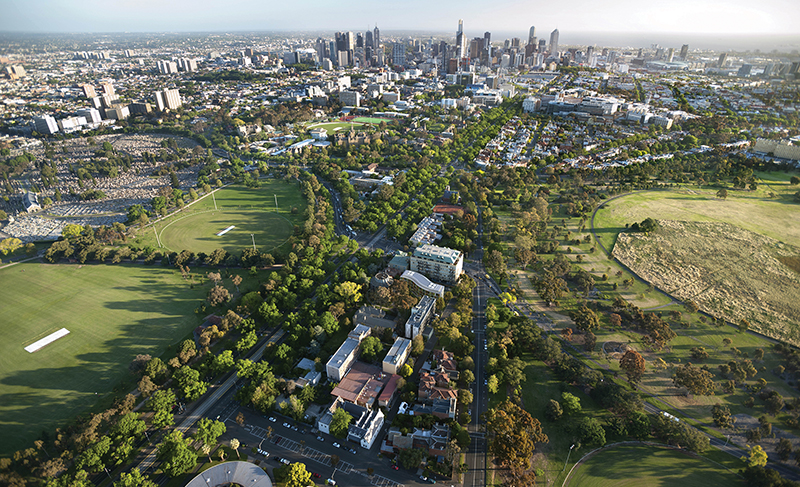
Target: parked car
pixel 330 482
pixel 320 438
pixel 315 475
pixel 353 451
pixel 285 461
pixel 272 419
pixel 286 425
pixel 395 467
pixel 336 445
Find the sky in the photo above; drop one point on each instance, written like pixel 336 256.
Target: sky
pixel 740 17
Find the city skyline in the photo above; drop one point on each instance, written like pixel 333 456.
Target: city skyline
pixel 683 16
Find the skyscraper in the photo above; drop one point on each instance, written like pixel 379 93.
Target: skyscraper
pixel 722 58
pixel 376 38
pixel 368 39
pixel 398 54
pixel 554 43
pixel 461 40
pixel 532 36
pixel 684 51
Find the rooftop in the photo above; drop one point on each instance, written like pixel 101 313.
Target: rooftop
pixel 439 254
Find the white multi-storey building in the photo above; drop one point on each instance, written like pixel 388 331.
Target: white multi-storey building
pixel 437 263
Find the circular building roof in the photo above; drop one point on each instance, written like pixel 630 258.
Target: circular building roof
pixel 242 473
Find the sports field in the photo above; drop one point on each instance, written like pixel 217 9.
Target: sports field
pixel 643 465
pixel 371 120
pixel 250 211
pixel 333 127
pixel 112 313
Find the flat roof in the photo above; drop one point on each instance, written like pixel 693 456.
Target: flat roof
pixel 440 254
pixel 398 349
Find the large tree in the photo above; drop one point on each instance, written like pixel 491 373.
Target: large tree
pixel 514 433
pixel 298 476
pixel 175 454
pixel 698 381
pixel 370 348
pixel 633 364
pixel 134 479
pixel 340 422
pixel 208 431
pixel 585 319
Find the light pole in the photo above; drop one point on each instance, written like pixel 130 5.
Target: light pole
pixel 254 241
pixel 570 451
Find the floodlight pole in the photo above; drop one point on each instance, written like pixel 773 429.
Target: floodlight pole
pixel 254 241
pixel 567 461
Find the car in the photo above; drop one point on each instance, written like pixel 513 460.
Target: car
pixel 272 419
pixel 293 427
pixel 315 475
pixel 285 461
pixel 395 467
pixel 330 482
pixel 336 445
pixel 423 478
pixel 403 408
pixel 320 438
pixel 286 425
pixel 353 451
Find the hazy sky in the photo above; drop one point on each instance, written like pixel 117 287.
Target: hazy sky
pixel 677 16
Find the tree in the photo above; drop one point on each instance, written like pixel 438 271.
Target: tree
pixel 146 386
pixel 514 433
pixel 554 410
pixel 134 479
pixel 218 295
pixel 589 341
pixel 591 432
pixel 493 384
pixel 240 419
pixel 298 476
pixel 208 431
pixel 633 364
pixel 405 371
pixel 175 454
pixel 11 244
pixel 757 457
pixel 349 292
pixel 417 346
pixel 235 445
pixel 570 403
pixel 722 193
pixel 340 423
pixel 585 319
pixel 722 416
pixel 189 382
pixel 784 449
pixel 410 458
pixel 495 262
pixel 370 348
pixel 697 381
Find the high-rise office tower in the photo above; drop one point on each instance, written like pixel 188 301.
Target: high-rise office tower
pixel 461 40
pixel 368 40
pixel 722 58
pixel 376 38
pixel 670 54
pixel 542 45
pixel 684 51
pixel 359 40
pixel 167 99
pixel 319 46
pixel 515 42
pixel 532 35
pixel 554 43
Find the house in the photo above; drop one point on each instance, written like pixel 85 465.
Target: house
pixel 433 441
pixel 373 318
pixel 364 428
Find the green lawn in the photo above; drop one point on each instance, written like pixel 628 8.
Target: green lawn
pixel 371 120
pixel 251 211
pixel 649 466
pixel 754 211
pixel 333 127
pixel 113 313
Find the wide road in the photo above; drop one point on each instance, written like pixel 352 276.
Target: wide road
pixel 210 401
